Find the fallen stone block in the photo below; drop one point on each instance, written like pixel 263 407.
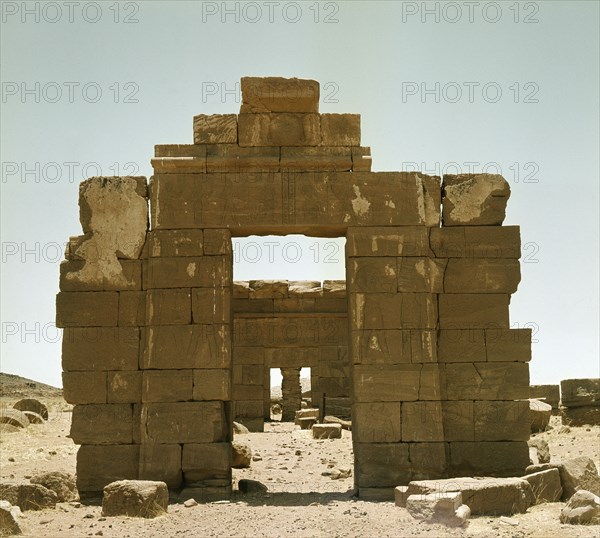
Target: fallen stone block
pixel 484 495
pixel 28 496
pixel 539 415
pixel 549 394
pixel 442 508
pixel 9 519
pixel 542 449
pixel 268 289
pixel 135 498
pixel 31 404
pixel 63 484
pixel 241 455
pixel 345 424
pixel 246 485
pixel 580 392
pixel 583 508
pixel 239 429
pixel 327 431
pixel 580 416
pixel 306 423
pixel 579 473
pixel 401 496
pixel 545 485
pixel 308 413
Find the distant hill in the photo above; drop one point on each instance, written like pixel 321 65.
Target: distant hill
pixel 14 386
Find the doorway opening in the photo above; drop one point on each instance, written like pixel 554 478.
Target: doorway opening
pixel 290 391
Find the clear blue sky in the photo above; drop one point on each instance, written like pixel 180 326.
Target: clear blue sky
pixel 85 93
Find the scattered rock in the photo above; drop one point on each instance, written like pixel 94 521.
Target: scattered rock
pixel 509 521
pixel 443 508
pixel 135 498
pixel 63 484
pixel 545 485
pixel 190 503
pixel 583 508
pixel 240 429
pixel 257 457
pixel 241 455
pixel 33 405
pixel 579 473
pixel 539 414
pixel 345 424
pixel 542 449
pixel 327 431
pixel 340 473
pixel 246 485
pixel 9 519
pixel 28 496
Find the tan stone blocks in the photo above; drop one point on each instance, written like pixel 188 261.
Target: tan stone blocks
pixel 254 306
pixel 340 129
pixel 508 344
pixel 241 289
pixel 394 346
pixel 316 159
pixel 124 387
pixel 280 129
pixel 179 165
pixel 206 461
pixel 161 463
pixel 191 272
pixel 473 311
pixel 100 348
pixel 217 242
pixel 71 278
pixel 422 421
pixel 428 460
pixel 361 159
pixel 388 241
pixel 248 355
pixel 99 465
pixel 167 386
pixel 87 309
pixel 377 422
pixel 394 310
pixel 180 150
pixel 185 422
pixel 334 288
pixel 211 305
pixel 276 94
pixel 478 275
pixel 331 305
pixel 501 420
pixel 293 304
pixel 247 392
pixel 186 346
pixel 289 357
pixel 173 243
pixel 102 424
pixel 168 307
pixel 84 387
pixel 268 289
pixel 499 459
pixel 248 374
pixel 212 384
pixel 248 408
pixel 486 381
pixel 476 242
pixel 382 464
pixel 132 308
pixel 233 158
pixel 478 345
pixel 458 420
pixel 372 274
pixel 215 129
pixel 386 383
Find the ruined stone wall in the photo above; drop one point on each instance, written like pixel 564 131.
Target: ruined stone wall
pixel 436 371
pixel 281 324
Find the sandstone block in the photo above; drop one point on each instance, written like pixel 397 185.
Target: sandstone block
pixel 233 158
pixel 168 307
pixel 479 275
pixel 501 420
pixel 180 150
pixel 186 422
pixel 549 394
pixel 476 242
pixel 458 420
pixel 583 508
pixel 10 518
pixel 215 129
pixel 580 416
pixel 317 159
pixel 84 387
pixel 382 465
pixel 247 392
pixel 135 498
pixel 508 344
pixel 276 94
pixel 473 311
pixel 124 387
pixel 474 199
pixel 248 408
pixel 422 422
pixel 161 462
pixel 102 424
pixel 241 289
pixel 386 383
pixel 132 308
pixel 372 275
pixel 539 415
pixel 204 462
pixel 129 276
pixel 334 288
pixel 461 345
pixel 488 458
pixel 63 484
pixel 428 460
pixel 211 305
pixel 191 272
pixel 545 485
pixel 304 288
pixel 441 508
pixel 580 392
pixel 186 346
pixel 212 384
pixel 388 241
pixel 340 129
pixel 100 348
pixel 179 165
pixel 241 455
pixel 217 242
pixel 361 159
pixel 293 304
pixel 421 274
pixel 28 496
pixel 98 466
pixel 486 381
pixel 248 355
pixel 253 306
pixel 394 310
pixel 279 129
pixel 579 473
pixel 268 289
pixel 173 243
pixel 167 385
pixel 87 309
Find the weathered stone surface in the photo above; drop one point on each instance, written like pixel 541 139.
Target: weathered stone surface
pixel 461 345
pixel 239 429
pixel 215 129
pixel 382 465
pixel 124 387
pixel 394 310
pixel 507 345
pixel 87 309
pixel 279 129
pixel 63 484
pixel 268 289
pixel 497 458
pixel 130 277
pixel 212 384
pixel 205 462
pixel 132 308
pixel 167 385
pixel 246 485
pixel 168 307
pixel 485 496
pixel 135 498
pixel 361 159
pixel 334 288
pixel 241 289
pixel 316 159
pixel 340 129
pixel 103 424
pixel 241 455
pixel 479 275
pixel 441 508
pixel 160 462
pixel 233 158
pixel 474 199
pixel 327 431
pixel 486 381
pixel 85 387
pixel 372 275
pixel 98 466
pixel 549 394
pixel 180 150
pixel 277 94
pixel 580 392
pixel 211 305
pixel 476 242
pixel 389 383
pixel 473 311
pixel 579 473
pixel 541 448
pixel 422 422
pixel 393 346
pixel 32 404
pixel 172 243
pixel 580 416
pixel 539 415
pixel 191 272
pixel 545 485
pixel 501 421
pixel 583 508
pixel 179 165
pixel 10 519
pixel 28 496
pixel 388 241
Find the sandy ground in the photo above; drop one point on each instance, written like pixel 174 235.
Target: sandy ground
pixel 301 501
